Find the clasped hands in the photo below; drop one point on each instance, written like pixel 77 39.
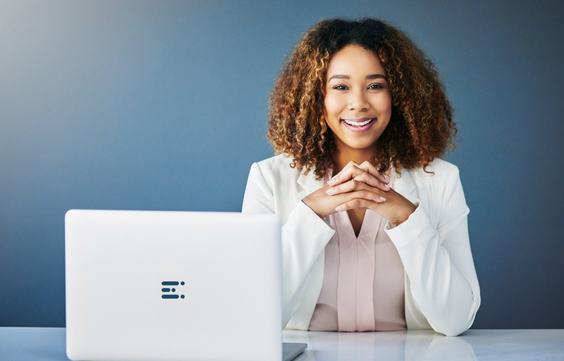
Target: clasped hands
pixel 360 186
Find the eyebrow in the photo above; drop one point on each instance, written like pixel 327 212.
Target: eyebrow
pixel 371 76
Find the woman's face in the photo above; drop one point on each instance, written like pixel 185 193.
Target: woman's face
pixel 358 101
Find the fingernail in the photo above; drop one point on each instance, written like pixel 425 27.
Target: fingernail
pixel 387 187
pixel 382 199
pixel 339 208
pixel 330 182
pixel 330 191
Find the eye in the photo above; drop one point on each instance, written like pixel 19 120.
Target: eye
pixel 340 87
pixel 376 86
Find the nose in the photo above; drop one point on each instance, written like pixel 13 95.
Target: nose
pixel 357 101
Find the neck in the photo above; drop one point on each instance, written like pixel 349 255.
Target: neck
pixel 342 157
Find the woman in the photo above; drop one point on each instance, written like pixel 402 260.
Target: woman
pixel 375 234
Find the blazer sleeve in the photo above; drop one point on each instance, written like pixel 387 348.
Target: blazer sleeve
pixel 304 234
pixel 437 259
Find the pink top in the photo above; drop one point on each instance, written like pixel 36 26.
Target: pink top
pixel 363 281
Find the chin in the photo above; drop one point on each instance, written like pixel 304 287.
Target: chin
pixel 360 146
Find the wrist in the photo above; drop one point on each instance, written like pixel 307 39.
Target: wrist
pixel 405 216
pixel 308 201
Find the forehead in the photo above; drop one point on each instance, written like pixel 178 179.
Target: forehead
pixel 354 59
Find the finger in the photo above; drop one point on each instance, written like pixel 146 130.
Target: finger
pixel 367 166
pixel 352 170
pixel 339 177
pixel 343 188
pixel 372 170
pixel 357 203
pixel 363 175
pixel 372 181
pixel 348 172
pixel 361 193
pixel 349 186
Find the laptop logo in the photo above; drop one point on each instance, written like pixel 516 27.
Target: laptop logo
pixel 170 291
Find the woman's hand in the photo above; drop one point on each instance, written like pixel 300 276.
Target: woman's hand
pixel 360 186
pixel 323 202
pixel 351 170
pixel 363 184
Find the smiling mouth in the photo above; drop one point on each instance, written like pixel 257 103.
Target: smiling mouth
pixel 358 124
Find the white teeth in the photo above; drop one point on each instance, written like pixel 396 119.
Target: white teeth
pixel 355 124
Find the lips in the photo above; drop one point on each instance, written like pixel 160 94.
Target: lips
pixel 359 125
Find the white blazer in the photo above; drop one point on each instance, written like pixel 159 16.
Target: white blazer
pixel 441 286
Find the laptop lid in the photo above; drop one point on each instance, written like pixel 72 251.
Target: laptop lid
pixel 147 285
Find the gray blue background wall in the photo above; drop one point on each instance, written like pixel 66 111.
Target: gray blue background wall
pixel 163 105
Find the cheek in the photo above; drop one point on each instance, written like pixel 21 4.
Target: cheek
pixel 384 104
pixel 332 106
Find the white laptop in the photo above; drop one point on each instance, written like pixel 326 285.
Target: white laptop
pixel 148 285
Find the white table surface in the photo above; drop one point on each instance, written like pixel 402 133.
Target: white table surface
pixel 514 345
pixel 42 344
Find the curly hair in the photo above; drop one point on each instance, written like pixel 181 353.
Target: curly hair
pixel 421 126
